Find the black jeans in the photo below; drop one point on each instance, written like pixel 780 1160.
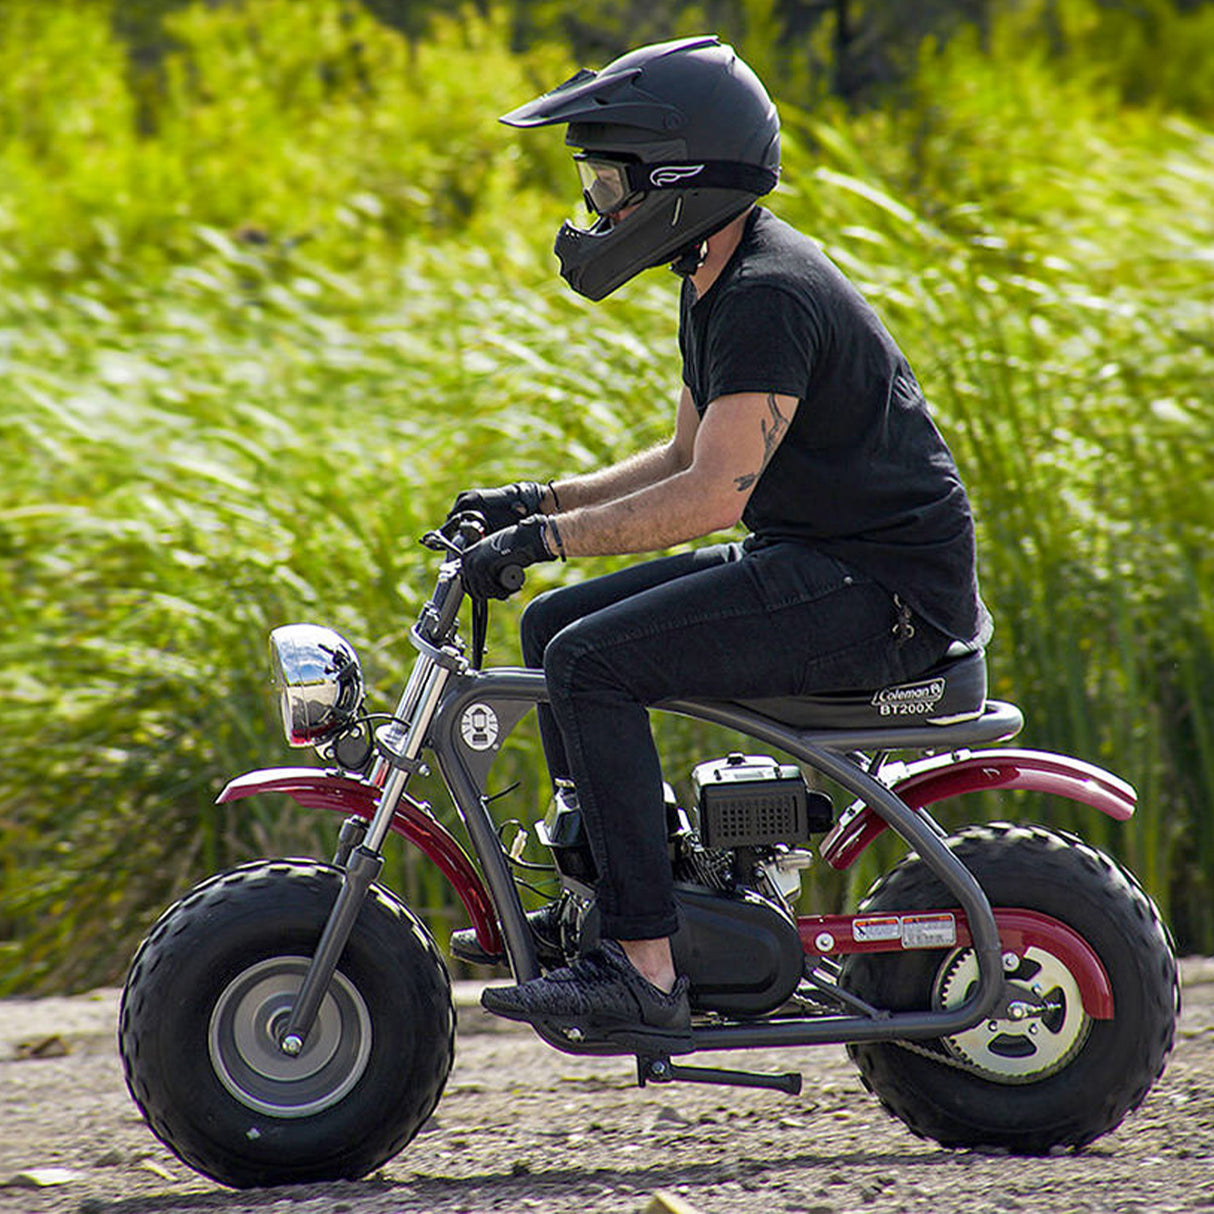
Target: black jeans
pixel 718 622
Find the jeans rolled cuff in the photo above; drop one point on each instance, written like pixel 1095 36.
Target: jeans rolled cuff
pixel 637 927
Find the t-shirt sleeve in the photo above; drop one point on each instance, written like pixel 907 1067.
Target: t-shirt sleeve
pixel 761 340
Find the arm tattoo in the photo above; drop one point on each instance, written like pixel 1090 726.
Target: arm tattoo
pixel 773 430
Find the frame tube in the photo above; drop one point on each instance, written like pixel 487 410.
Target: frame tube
pixel 502 683
pixel 517 684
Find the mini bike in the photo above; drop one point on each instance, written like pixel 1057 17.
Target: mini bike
pixel 1005 986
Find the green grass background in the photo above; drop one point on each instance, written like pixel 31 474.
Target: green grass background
pixel 262 314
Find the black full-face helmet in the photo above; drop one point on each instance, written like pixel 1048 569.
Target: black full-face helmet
pixel 682 131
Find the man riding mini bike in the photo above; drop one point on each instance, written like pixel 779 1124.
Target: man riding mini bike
pixel 1005 986
pixel 798 416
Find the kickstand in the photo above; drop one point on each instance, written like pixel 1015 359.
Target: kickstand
pixel 662 1070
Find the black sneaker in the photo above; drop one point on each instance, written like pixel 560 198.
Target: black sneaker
pixel 545 925
pixel 604 996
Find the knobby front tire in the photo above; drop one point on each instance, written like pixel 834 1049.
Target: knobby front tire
pixel 1059 1079
pixel 208 993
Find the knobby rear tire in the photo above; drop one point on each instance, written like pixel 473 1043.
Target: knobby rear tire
pixel 1099 1070
pixel 206 991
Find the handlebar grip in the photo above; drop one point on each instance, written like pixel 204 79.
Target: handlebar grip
pixel 511 577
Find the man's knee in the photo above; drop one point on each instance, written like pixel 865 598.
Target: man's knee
pixel 559 657
pixel 541 621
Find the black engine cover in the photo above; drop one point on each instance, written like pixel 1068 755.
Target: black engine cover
pixel 741 953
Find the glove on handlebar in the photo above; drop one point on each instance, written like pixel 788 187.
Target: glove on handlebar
pixel 501 507
pixel 520 545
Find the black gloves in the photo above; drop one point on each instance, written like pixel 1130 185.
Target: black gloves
pixel 519 546
pixel 501 507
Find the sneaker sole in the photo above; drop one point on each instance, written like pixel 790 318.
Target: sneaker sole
pixel 630 1039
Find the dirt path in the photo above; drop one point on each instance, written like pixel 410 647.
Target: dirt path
pixel 524 1128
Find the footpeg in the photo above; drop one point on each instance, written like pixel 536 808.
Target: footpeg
pixel 662 1070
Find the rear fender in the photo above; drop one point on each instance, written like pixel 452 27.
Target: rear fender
pixel 939 777
pixel 317 789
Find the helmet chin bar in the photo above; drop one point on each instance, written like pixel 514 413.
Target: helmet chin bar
pixel 576 256
pixel 667 228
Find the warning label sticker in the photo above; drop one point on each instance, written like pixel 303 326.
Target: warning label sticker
pixel 888 928
pixel 911 931
pixel 928 931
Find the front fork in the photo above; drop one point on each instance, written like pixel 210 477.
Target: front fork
pixel 360 843
pixel 359 874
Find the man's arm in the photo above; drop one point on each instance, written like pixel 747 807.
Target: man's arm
pixel 634 473
pixel 729 449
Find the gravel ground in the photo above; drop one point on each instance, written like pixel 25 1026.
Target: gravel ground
pixel 522 1127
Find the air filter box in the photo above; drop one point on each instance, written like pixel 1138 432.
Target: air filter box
pixel 751 800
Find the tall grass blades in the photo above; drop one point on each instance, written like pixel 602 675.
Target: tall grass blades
pixel 263 314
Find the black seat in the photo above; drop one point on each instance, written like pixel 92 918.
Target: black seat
pixel 951 691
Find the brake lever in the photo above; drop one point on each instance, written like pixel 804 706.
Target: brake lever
pixel 470 526
pixel 437 542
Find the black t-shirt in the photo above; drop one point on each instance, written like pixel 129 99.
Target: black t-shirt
pixel 863 473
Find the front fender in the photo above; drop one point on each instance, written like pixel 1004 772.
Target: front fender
pixel 316 789
pixel 939 777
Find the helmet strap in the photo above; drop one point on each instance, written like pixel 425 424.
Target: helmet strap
pixel 690 258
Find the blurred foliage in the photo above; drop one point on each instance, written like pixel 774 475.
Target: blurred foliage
pixel 273 294
pixel 863 51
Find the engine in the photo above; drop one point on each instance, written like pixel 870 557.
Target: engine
pixel 736 858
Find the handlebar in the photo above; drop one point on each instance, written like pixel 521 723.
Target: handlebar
pixel 454 537
pixel 470 529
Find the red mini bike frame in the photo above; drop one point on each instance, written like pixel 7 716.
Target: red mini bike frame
pixel 919 784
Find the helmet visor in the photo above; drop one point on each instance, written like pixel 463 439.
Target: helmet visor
pixel 605 184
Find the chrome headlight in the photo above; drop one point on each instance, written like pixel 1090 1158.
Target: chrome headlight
pixel 319 679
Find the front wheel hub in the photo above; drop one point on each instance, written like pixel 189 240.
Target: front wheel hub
pixel 248 1054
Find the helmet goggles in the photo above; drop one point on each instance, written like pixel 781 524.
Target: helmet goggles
pixel 610 184
pixel 605 183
